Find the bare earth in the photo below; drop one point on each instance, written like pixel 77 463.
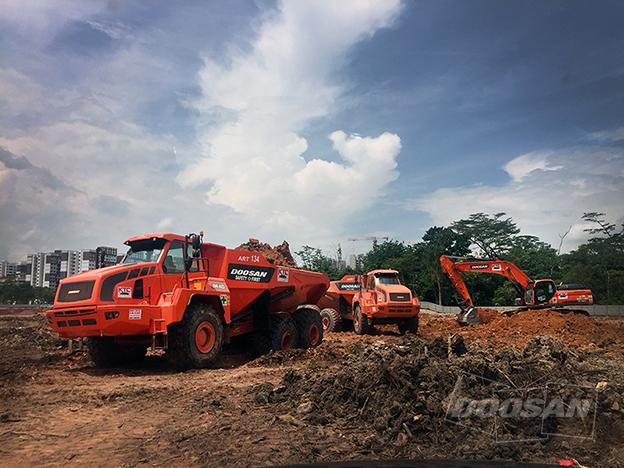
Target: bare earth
pixel 57 408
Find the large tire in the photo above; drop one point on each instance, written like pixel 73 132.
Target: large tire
pixel 409 325
pixel 310 328
pixel 360 324
pixel 197 340
pixel 331 320
pixel 284 334
pixel 105 352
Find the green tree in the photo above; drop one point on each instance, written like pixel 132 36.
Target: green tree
pixel 599 263
pixel 382 255
pixel 437 241
pixel 12 292
pixel 313 259
pixel 492 234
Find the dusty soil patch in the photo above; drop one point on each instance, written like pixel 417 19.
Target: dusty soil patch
pixel 596 334
pixel 345 400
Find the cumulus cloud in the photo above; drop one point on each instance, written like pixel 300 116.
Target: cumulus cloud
pixel 89 147
pixel 261 99
pixel 520 167
pixel 546 195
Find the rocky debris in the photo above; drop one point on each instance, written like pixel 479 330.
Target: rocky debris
pixel 404 398
pixel 279 255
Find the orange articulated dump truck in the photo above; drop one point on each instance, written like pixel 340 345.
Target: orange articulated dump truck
pixel 188 297
pixel 377 297
pixel 337 302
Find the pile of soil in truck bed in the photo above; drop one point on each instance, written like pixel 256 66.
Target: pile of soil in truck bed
pixel 372 397
pixel 279 255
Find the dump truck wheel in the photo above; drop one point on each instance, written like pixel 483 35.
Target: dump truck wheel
pixel 197 340
pixel 409 325
pixel 310 327
pixel 331 320
pixel 105 352
pixel 284 333
pixel 360 325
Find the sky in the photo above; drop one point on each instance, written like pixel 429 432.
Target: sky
pixel 310 121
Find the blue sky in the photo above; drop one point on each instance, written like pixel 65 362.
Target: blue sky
pixel 307 121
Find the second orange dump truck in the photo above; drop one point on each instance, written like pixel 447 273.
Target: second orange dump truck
pixel 378 297
pixel 189 298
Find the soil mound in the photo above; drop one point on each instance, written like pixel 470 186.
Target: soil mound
pixel 496 330
pixel 402 401
pixel 279 255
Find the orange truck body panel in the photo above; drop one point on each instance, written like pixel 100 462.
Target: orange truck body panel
pixel 105 302
pixel 339 295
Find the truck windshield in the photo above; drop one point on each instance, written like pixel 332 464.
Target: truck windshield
pixel 144 251
pixel 387 278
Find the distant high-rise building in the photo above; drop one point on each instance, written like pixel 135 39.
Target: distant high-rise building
pixel 7 269
pixel 46 269
pixel 106 256
pixel 24 270
pixel 353 262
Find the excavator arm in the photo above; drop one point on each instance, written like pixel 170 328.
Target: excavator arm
pixel 453 267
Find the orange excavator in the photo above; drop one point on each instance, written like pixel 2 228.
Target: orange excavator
pixel 534 294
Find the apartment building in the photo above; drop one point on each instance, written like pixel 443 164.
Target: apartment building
pixel 46 269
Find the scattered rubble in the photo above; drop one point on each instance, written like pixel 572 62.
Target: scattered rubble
pixel 279 255
pixel 355 397
pixel 401 398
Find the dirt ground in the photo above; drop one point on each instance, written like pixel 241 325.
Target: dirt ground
pixel 353 398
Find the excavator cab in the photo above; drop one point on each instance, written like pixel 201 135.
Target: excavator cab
pixel 540 292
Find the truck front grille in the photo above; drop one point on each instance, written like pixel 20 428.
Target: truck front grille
pixel 74 292
pixel 400 297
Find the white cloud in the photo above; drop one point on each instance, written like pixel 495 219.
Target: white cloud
pixel 119 179
pixel 614 135
pixel 548 201
pixel 262 99
pixel 18 93
pixel 521 166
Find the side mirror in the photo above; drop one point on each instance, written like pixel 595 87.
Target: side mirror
pixel 195 241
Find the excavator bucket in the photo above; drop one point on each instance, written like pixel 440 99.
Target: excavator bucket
pixel 469 316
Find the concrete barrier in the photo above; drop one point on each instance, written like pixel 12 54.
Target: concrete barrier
pixel 598 310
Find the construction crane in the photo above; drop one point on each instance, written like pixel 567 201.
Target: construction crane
pixel 375 239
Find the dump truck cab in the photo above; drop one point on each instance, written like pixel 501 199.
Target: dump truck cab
pixel 188 297
pixel 382 299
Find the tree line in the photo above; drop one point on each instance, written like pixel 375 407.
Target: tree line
pixel 597 264
pixel 12 292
